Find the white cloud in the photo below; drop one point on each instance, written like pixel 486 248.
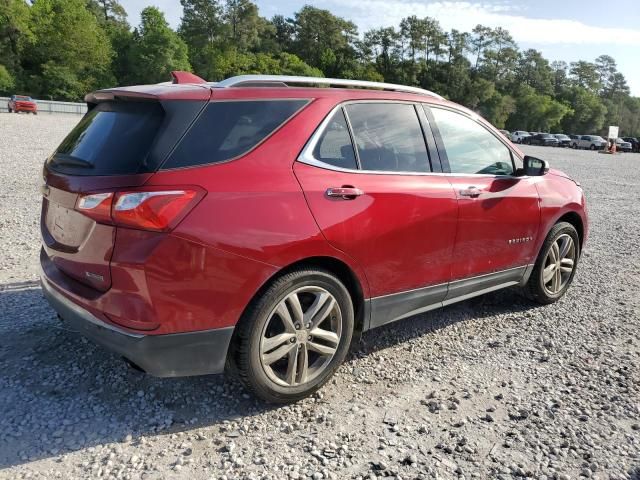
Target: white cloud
pixel 463 16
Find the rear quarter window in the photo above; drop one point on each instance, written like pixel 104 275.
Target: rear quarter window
pixel 111 139
pixel 228 129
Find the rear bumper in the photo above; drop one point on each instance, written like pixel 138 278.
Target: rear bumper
pixel 170 355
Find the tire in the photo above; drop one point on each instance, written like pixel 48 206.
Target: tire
pixel 592 147
pixel 546 292
pixel 10 111
pixel 519 140
pixel 282 380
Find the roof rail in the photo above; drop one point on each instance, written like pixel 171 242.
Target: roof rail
pixel 284 80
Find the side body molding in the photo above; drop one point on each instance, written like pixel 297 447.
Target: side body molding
pixel 389 308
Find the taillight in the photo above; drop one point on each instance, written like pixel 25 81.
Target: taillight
pixel 149 209
pixel 96 206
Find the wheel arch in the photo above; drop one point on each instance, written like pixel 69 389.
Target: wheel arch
pixel 574 219
pixel 333 265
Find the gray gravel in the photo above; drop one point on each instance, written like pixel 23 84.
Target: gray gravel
pixel 495 387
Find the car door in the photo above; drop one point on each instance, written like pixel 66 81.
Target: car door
pixel 498 212
pixel 376 200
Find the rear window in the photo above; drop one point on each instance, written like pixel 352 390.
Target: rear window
pixel 229 129
pixel 111 139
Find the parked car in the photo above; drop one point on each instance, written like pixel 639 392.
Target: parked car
pixel 533 133
pixel 635 145
pixel 519 135
pixel 543 139
pixel 623 146
pixel 574 140
pixel 21 103
pixel 590 142
pixel 563 140
pixel 194 226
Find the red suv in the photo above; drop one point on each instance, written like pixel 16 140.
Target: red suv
pixel 260 224
pixel 20 103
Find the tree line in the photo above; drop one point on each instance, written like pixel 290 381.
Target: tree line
pixel 61 49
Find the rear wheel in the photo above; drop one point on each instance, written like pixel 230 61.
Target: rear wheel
pixel 9 108
pixel 555 266
pixel 592 147
pixel 292 338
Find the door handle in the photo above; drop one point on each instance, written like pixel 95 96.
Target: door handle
pixel 345 192
pixel 472 192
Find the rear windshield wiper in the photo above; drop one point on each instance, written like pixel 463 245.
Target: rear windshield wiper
pixel 61 159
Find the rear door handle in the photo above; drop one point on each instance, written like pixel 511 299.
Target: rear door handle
pixel 471 191
pixel 345 192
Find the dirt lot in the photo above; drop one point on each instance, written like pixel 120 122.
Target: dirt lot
pixel 495 387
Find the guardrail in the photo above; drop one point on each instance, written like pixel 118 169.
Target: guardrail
pixel 51 106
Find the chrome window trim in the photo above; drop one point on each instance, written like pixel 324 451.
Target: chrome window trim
pixel 306 155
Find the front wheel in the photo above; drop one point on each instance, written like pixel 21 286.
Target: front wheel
pixel 555 266
pixel 592 147
pixel 291 339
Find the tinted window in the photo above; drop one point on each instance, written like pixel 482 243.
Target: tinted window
pixel 111 139
pixel 334 146
pixel 226 130
pixel 470 147
pixel 388 137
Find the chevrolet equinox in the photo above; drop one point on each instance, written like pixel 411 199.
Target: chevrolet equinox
pixel 259 224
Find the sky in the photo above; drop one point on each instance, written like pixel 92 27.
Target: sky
pixel 566 30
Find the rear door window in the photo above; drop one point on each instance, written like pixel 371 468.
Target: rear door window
pixel 111 139
pixel 229 129
pixel 388 137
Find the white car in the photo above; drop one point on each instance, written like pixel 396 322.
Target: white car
pixel 590 142
pixel 519 135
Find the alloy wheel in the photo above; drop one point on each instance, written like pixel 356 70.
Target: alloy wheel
pixel 559 264
pixel 301 336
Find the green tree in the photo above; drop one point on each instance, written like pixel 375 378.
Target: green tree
pixel 243 23
pixel 324 41
pixel 156 49
pixel 69 55
pixel 588 111
pixel 15 34
pixel 6 80
pixel 585 74
pixel 203 30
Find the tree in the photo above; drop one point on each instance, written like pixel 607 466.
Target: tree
pixel 203 30
pixel 6 80
pixel 156 49
pixel 588 111
pixel 243 23
pixel 585 74
pixel 534 70
pixel 15 33
pixel 69 55
pixel 480 39
pixel 323 40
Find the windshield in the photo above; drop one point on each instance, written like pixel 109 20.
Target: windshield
pixel 561 137
pixel 19 97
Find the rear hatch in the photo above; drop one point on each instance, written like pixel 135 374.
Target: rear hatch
pixel 124 137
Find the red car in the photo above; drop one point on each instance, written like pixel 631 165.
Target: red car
pixel 260 224
pixel 20 103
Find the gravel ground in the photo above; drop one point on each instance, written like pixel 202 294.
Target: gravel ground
pixel 494 387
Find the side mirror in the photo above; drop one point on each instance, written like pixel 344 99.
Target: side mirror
pixel 534 167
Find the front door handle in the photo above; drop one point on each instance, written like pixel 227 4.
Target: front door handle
pixel 472 191
pixel 345 192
